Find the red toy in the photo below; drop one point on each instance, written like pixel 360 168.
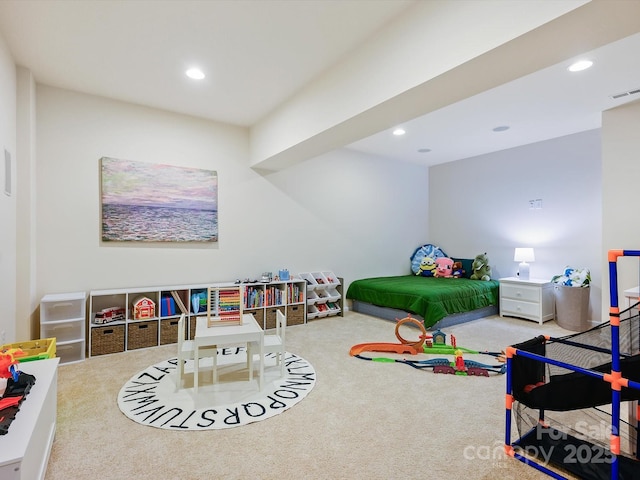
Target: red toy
pixel 8 363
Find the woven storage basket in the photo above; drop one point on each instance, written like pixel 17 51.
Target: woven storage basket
pixel 168 331
pixel 142 334
pixel 295 315
pixel 271 317
pixel 107 339
pixel 192 328
pixel 258 315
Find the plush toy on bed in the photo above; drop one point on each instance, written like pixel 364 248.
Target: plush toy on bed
pixel 427 267
pixel 423 260
pixel 444 267
pixel 457 270
pixel 481 268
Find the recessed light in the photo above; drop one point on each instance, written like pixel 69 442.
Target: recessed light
pixel 399 131
pixel 424 150
pixel 580 65
pixel 501 128
pixel 195 73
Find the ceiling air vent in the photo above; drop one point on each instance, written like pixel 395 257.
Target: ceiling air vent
pixel 625 94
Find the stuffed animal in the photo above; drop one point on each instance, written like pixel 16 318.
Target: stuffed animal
pixel 427 266
pixel 573 277
pixel 481 268
pixel 458 271
pixel 444 267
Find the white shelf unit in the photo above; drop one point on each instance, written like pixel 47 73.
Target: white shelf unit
pixel 129 333
pixel 324 294
pixel 263 300
pixel 62 316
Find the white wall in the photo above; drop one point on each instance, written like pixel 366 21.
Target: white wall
pixel 354 215
pixel 620 176
pixel 480 204
pixel 7 203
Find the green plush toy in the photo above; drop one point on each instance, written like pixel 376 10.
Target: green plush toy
pixel 481 268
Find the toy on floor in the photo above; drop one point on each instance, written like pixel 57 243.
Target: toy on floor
pixel 410 347
pixel 430 344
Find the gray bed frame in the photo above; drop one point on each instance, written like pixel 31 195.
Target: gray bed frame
pixel 394 314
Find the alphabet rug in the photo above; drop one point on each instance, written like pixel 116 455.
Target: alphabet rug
pixel 151 397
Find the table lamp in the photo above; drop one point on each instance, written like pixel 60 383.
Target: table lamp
pixel 524 255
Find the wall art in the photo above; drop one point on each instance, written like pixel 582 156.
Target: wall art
pixel 146 202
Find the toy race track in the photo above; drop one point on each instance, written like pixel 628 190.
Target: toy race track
pixel 430 344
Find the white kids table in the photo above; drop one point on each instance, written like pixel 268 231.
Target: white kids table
pixel 249 332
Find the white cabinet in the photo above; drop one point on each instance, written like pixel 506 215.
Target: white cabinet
pixel 324 294
pixel 62 316
pixel 27 444
pixel 530 299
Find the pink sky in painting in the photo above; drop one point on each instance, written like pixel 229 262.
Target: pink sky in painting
pixel 126 182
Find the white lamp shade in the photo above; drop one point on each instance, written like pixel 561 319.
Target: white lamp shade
pixel 524 255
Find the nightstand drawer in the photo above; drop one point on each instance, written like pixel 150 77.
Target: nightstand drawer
pixel 519 308
pixel 528 293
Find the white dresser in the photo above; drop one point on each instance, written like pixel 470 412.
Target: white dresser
pixel 530 299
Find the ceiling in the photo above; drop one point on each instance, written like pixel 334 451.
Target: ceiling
pixel 255 57
pixel 550 103
pixel 255 53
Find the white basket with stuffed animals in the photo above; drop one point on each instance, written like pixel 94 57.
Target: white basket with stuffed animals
pixel 571 290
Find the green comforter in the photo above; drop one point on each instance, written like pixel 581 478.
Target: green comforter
pixel 430 297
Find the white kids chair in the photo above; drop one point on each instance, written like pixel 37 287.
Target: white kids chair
pixel 186 351
pixel 275 343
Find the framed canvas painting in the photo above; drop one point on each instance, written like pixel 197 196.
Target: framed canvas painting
pixel 145 202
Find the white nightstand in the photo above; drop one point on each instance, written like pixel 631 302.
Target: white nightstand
pixel 530 299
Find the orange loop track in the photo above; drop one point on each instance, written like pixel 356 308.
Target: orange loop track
pixel 407 347
pixel 383 347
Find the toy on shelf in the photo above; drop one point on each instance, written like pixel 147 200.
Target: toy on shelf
pixel 143 308
pixel 16 388
pixel 9 363
pixel 431 344
pixel 110 314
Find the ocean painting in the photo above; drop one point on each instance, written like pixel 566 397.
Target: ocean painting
pixel 145 202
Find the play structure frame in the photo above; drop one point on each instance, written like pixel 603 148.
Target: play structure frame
pixel 614 378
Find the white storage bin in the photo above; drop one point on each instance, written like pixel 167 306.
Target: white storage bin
pixel 311 282
pixel 323 310
pixel 312 297
pixel 312 312
pixel 62 307
pixel 320 279
pixel 333 295
pixel 331 277
pixel 333 307
pixel 70 352
pixel 63 331
pixel 323 296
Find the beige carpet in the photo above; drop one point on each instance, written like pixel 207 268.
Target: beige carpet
pixel 363 420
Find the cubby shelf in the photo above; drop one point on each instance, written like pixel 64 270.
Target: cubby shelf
pixel 122 319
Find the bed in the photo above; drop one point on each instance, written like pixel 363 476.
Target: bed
pixel 439 302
